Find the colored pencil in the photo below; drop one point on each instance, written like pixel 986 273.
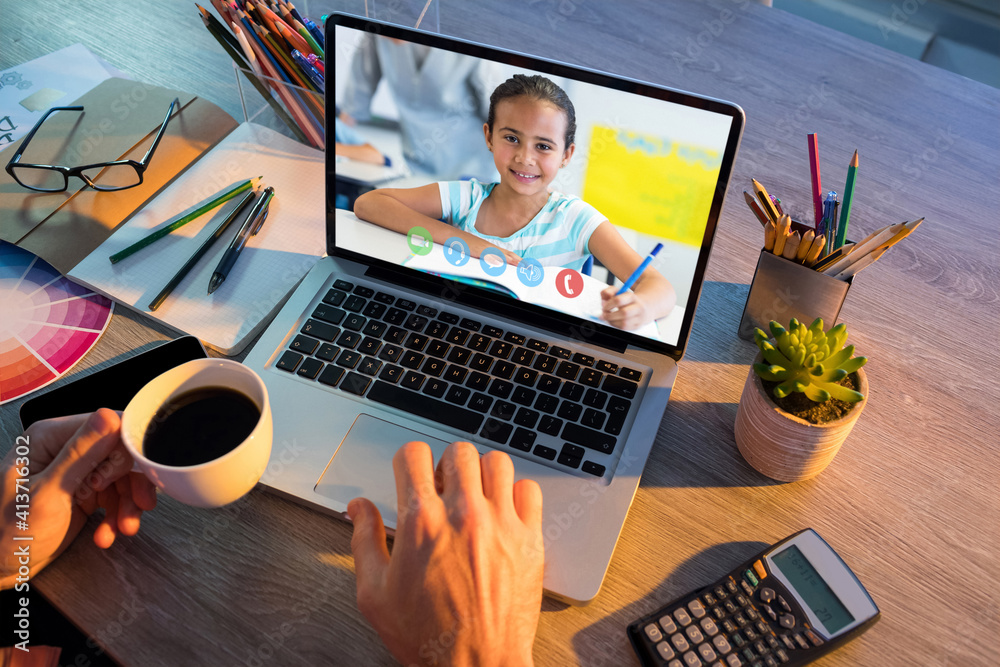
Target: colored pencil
pixel 752 203
pixel 765 200
pixel 817 187
pixel 845 209
pixel 221 199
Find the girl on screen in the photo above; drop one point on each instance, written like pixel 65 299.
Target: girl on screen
pixel 530 130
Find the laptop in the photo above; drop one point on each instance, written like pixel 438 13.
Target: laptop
pixel 393 337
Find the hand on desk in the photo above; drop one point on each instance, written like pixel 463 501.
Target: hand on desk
pixel 463 585
pixel 74 465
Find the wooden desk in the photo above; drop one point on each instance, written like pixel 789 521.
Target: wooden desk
pixel 910 501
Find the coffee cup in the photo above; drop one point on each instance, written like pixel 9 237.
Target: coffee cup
pixel 201 432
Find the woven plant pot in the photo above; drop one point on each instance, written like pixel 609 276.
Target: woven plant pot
pixel 785 447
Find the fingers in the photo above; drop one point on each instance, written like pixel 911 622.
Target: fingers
pixel 94 440
pixel 624 311
pixel 143 492
pixel 498 478
pixel 128 512
pixel 371 555
pixel 460 470
pixel 107 530
pixel 117 464
pixel 414 468
pixel 528 503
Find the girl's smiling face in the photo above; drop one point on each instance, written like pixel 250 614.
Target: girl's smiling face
pixel 528 144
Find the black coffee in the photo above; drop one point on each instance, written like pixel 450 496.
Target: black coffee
pixel 199 426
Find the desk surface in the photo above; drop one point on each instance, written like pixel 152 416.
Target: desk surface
pixel 910 501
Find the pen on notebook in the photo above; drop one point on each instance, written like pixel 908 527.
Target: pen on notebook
pixel 250 228
pixel 179 276
pixel 638 272
pixel 845 212
pixel 183 220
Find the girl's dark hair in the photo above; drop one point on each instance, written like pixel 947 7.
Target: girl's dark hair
pixel 538 88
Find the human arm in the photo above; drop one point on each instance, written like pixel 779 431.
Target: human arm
pixel 73 466
pixel 402 209
pixel 361 152
pixel 651 297
pixel 463 585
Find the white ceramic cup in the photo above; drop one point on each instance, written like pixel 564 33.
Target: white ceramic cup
pixel 219 481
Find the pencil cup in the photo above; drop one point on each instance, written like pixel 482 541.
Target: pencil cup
pixel 288 109
pixel 783 289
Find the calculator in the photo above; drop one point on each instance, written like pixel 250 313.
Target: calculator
pixel 795 601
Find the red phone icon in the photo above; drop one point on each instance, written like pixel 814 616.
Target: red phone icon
pixel 569 283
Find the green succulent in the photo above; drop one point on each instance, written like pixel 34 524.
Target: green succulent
pixel 808 360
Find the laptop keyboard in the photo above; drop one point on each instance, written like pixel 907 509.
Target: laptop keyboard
pixel 550 404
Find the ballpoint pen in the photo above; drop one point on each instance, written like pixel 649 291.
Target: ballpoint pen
pixel 249 228
pixel 638 272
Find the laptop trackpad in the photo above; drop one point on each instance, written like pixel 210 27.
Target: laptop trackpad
pixel 362 465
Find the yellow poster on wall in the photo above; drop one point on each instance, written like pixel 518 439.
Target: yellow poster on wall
pixel 651 184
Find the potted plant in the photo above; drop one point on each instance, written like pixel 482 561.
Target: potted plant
pixel 801 399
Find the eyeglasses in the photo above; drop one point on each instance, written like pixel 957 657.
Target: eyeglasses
pixel 103 176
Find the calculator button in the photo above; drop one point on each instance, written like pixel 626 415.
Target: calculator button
pixel 721 645
pixel 675 663
pixel 742 620
pixel 772 642
pixel 691 659
pixel 682 616
pixel 800 640
pixel 728 626
pixel 751 578
pixel 750 634
pixel 737 639
pixel 697 608
pixel 766 594
pixel 784 604
pixel 730 607
pixel 770 612
pixel 758 567
pixel 653 632
pixel 787 641
pixel 741 601
pixel 782 656
pixel 760 646
pixel 762 628
pixel 679 642
pixel 668 625
pixel 694 634
pixel 813 637
pixel 749 654
pixel 769 661
pixel 752 613
pixel 733 660
pixel 720 592
pixel 747 588
pixel 707 653
pixel 787 621
pixel 718 613
pixel 731 586
pixel 664 650
pixel 709 626
pixel 709 599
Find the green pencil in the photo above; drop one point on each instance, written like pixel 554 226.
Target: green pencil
pixel 845 208
pixel 180 222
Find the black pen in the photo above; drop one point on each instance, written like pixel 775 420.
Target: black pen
pixel 250 228
pixel 155 303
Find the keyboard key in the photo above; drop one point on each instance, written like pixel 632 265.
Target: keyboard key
pixel 396 335
pixel 492 331
pixel 550 425
pixel 354 304
pixel 590 377
pixel 348 359
pixel 459 355
pixel 382 297
pixel 478 381
pixel 615 424
pixel 331 375
pixel 390 353
pixel 411 359
pixel 570 455
pixel 560 352
pixel 374 309
pixel 527 418
pixel 569 410
pixel 391 373
pixel 480 402
pixel 497 431
pixel 425 406
pixel 366 292
pixel 500 388
pixel 457 395
pixel 500 349
pixel 546 403
pixel 334 297
pixel 481 362
pixel 349 339
pixel 304 344
pixel 289 361
pixel 595 398
pixel 544 363
pixel 619 387
pixel 355 383
pixel 545 452
pixel 343 285
pixel 448 318
pixel 415 323
pixel 405 304
pixel 374 328
pixel 369 365
pixel 320 330
pixel 457 336
pixel 455 373
pixel 427 311
pixel 593 468
pixel 328 352
pixel 522 356
pixel 412 380
pixel 370 346
pixel 416 342
pixel 435 387
pixel 471 325
pixel 515 338
pixel 525 376
pixel 630 374
pixel 355 322
pixel 583 359
pixel 549 384
pixel 432 367
pixel 395 316
pixel 567 370
pixel 479 343
pixel 503 410
pixel 504 369
pixel 592 418
pixel 607 367
pixel 538 345
pixel 437 329
pixel 571 391
pixel 523 396
pixel 523 439
pixel 588 437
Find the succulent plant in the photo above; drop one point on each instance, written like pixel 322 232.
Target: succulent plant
pixel 808 360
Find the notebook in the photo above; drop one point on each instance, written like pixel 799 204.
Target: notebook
pixel 381 343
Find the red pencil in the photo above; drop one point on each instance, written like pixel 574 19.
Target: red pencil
pixel 817 188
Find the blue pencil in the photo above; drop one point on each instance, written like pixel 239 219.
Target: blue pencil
pixel 638 272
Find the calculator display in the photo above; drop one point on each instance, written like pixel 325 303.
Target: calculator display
pixel 813 589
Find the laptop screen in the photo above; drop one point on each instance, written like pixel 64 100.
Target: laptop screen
pixel 555 193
